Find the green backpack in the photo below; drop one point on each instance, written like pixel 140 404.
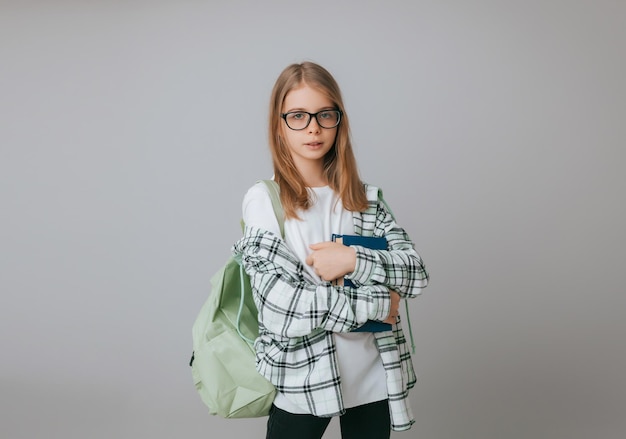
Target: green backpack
pixel 223 359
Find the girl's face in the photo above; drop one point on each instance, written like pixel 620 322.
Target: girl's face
pixel 309 145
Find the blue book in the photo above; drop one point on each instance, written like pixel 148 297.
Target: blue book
pixel 374 243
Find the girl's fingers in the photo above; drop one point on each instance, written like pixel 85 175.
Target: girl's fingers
pixel 323 245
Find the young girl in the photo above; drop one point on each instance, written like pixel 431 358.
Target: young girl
pixel 306 345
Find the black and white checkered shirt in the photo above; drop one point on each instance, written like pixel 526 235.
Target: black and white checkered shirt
pixel 297 316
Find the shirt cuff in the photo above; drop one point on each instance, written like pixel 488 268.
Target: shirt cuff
pixel 382 305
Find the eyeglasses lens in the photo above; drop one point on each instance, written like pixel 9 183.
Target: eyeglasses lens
pixel 300 120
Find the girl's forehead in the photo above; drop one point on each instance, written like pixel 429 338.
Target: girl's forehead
pixel 306 97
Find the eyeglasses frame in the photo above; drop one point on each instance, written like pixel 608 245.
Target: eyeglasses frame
pixel 311 116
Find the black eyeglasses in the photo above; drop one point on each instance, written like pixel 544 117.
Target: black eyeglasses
pixel 299 120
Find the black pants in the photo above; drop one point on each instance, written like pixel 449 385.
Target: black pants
pixel 369 421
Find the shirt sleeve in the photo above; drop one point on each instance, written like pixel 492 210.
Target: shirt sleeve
pixel 292 305
pixel 257 210
pixel 400 268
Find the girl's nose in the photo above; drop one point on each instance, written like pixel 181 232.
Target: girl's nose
pixel 314 127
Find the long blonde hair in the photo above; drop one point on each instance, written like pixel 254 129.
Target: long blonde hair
pixel 340 168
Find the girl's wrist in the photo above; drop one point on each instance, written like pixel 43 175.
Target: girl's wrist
pixel 350 259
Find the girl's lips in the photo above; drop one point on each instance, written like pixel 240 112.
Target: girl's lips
pixel 314 146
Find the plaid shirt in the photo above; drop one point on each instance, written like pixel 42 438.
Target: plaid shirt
pixel 297 316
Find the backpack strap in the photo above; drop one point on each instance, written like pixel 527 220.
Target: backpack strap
pixel 406 302
pixel 242 297
pixel 274 192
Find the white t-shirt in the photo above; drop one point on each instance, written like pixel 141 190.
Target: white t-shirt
pixel 360 366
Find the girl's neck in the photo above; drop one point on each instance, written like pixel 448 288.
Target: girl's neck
pixel 313 174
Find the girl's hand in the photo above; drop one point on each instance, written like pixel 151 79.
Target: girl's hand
pixel 394 309
pixel 331 260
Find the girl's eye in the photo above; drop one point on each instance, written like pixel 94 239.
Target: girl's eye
pixel 297 116
pixel 330 116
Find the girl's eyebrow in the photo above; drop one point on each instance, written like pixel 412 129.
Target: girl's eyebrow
pixel 302 109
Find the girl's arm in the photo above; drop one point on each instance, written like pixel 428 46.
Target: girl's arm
pixel 292 305
pixel 399 268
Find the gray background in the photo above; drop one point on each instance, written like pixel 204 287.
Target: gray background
pixel 129 132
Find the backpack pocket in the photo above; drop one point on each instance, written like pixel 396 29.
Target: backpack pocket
pixel 225 375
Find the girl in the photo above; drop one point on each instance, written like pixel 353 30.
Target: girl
pixel 306 345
